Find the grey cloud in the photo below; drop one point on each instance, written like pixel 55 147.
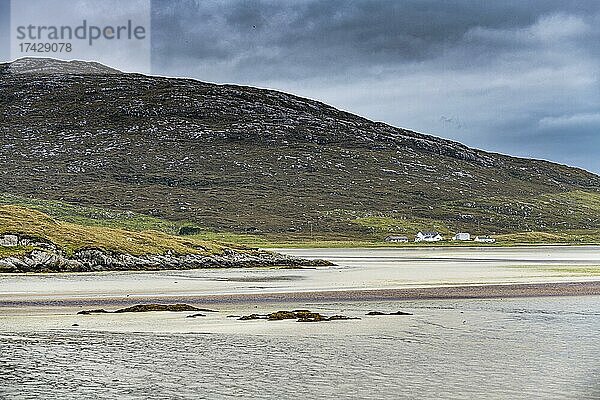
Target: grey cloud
pixel 300 39
pixel 517 77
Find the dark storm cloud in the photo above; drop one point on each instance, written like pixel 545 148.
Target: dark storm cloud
pixel 302 39
pixel 518 77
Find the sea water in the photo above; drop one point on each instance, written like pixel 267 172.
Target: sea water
pixel 536 348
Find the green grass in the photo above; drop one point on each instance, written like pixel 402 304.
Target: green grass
pixel 407 226
pixel 93 216
pixel 230 237
pixel 591 236
pixel 135 233
pixel 72 237
pixel 14 251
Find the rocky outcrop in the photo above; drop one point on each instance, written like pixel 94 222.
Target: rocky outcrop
pixel 298 315
pixel 47 257
pixel 150 308
pixel 371 313
pixel 9 240
pixel 41 66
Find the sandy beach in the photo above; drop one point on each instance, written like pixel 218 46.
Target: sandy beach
pixel 359 275
pixel 488 291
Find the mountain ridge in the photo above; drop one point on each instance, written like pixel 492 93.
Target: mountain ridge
pixel 231 157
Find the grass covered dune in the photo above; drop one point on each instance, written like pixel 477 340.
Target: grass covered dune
pixel 32 241
pixel 71 237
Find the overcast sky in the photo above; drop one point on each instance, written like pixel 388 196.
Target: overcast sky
pixel 517 77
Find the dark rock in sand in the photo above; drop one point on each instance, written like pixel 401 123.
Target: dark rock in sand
pixel 88 312
pixel 159 307
pixel 148 308
pixel 251 317
pixel 298 315
pixel 279 315
pixel 340 318
pixel 392 313
pixel 196 315
pixel 312 318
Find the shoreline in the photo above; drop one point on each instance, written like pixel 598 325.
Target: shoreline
pixel 412 245
pixel 458 292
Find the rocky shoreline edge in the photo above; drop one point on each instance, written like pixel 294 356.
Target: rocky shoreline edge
pixel 47 257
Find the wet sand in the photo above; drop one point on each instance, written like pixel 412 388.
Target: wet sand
pixel 488 291
pixel 523 348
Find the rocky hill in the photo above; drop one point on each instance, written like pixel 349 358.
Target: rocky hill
pixel 243 159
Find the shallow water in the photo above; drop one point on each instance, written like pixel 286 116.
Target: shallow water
pixel 537 348
pixel 534 348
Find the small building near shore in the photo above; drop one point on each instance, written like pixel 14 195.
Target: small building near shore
pixel 396 239
pixel 485 239
pixel 464 236
pixel 428 237
pixel 9 240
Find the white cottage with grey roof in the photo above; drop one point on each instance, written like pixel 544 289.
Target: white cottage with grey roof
pixel 428 237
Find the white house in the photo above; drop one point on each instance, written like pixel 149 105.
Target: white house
pixel 485 239
pixel 428 237
pixel 396 239
pixel 462 236
pixel 9 240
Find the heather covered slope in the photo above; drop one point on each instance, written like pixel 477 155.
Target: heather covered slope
pixel 243 159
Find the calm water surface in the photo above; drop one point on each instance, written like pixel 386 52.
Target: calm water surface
pixel 539 348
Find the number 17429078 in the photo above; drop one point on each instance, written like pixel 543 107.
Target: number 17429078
pixel 45 47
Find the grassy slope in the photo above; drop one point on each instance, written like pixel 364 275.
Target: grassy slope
pixel 124 220
pixel 14 251
pixel 140 233
pixel 581 207
pixel 72 237
pixel 92 216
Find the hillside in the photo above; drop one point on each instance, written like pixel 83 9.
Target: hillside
pixel 246 160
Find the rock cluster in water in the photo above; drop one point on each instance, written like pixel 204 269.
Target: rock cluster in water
pixel 298 315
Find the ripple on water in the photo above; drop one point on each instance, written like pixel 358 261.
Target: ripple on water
pixel 475 349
